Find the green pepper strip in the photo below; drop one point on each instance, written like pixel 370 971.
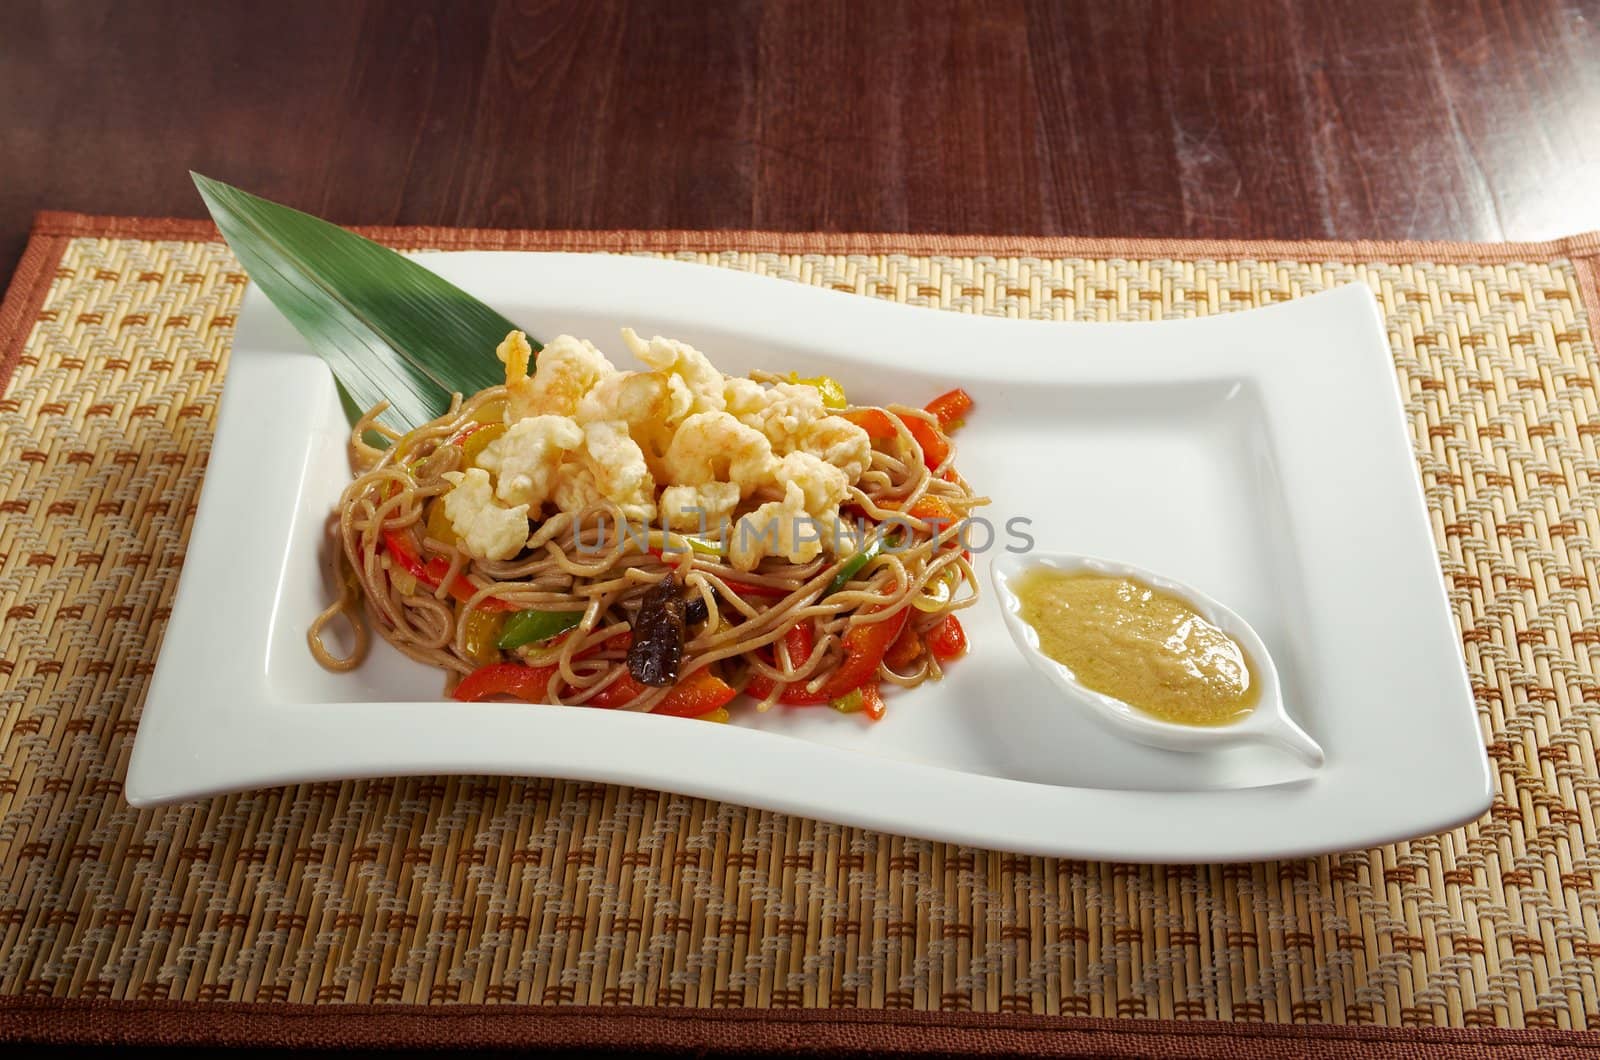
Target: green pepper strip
pixel 852 702
pixel 696 544
pixel 853 565
pixel 525 627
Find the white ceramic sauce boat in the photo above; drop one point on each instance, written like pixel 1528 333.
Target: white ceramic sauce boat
pixel 1269 723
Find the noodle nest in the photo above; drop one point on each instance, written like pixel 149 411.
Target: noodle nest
pixel 596 562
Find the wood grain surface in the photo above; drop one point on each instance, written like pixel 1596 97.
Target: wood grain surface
pixel 1470 119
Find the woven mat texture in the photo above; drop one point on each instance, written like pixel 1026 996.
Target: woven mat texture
pixel 532 891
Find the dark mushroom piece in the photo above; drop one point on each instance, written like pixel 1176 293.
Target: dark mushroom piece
pixel 657 648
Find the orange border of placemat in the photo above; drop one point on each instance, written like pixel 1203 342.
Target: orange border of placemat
pixel 51 230
pixel 98 1022
pixel 1587 244
pixel 731 1030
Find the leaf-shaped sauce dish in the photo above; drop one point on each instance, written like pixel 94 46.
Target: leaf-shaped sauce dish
pixel 1267 720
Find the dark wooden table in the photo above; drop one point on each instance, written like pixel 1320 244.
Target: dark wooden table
pixel 1477 119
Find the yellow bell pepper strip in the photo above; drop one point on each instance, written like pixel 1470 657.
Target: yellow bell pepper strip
pixel 479 633
pixel 440 528
pixel 403 580
pixel 493 411
pixel 830 388
pixel 527 627
pixel 475 439
pixel 938 591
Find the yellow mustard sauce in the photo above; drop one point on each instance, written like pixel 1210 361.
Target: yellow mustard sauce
pixel 1133 642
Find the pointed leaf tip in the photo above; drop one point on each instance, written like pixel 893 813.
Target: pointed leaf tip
pixel 390 329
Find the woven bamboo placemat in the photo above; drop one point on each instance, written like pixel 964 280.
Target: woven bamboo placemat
pixel 482 910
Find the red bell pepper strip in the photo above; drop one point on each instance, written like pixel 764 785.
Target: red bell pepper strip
pixel 876 422
pixel 530 684
pixel 864 648
pixel 753 589
pixel 935 447
pixel 797 642
pixel 618 692
pixel 872 701
pixel 947 408
pixel 699 693
pixel 462 589
pixel 950 407
pixel 906 649
pixel 695 696
pixel 401 549
pixel 934 509
pixel 947 640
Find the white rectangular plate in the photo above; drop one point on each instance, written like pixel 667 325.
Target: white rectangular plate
pixel 1259 456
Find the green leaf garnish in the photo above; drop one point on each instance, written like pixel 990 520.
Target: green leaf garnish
pixel 389 329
